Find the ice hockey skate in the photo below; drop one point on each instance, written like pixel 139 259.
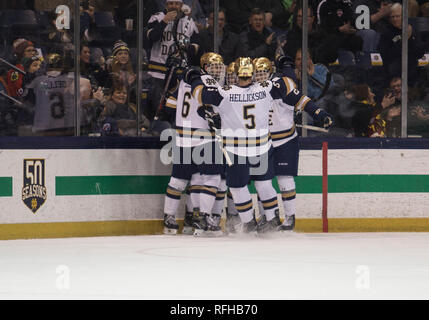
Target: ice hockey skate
pixel 199 223
pixel 288 224
pixel 232 224
pixel 213 226
pixel 265 226
pixel 170 224
pixel 250 227
pixel 188 228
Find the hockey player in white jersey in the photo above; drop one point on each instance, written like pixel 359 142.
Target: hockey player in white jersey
pixel 244 114
pixel 195 164
pixel 285 142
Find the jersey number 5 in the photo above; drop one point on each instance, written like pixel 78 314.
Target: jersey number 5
pixel 248 116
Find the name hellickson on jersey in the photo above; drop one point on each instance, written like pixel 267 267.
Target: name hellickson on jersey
pixel 249 97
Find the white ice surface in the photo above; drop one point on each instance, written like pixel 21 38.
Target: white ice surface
pixel 290 266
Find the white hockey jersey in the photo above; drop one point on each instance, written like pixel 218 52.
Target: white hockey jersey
pixel 282 125
pixel 191 129
pixel 245 113
pixel 160 50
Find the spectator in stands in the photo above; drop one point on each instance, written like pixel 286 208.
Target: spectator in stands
pixel 52 96
pixel 92 71
pixel 162 43
pixel 239 11
pixel 387 124
pixel 390 47
pixel 322 46
pixel 119 66
pixel 413 8
pixel 256 39
pixel 363 105
pixel 424 8
pixel 336 18
pixel 230 47
pixel 119 113
pixel 394 91
pixel 87 20
pixel 55 39
pixel 319 77
pixel 197 12
pixel 31 67
pixel 289 6
pixel 22 49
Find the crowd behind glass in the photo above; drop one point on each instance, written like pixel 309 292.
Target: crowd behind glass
pixel 354 73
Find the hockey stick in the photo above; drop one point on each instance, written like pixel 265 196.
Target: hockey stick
pixel 164 93
pixel 306 126
pixel 218 138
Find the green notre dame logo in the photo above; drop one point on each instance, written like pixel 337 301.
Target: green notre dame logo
pixel 34 190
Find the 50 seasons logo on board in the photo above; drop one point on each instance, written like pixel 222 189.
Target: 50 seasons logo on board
pixel 34 190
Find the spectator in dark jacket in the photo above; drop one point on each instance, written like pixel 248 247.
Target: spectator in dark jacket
pixel 257 40
pixel 229 42
pixel 239 10
pixel 322 46
pixel 336 18
pixel 390 47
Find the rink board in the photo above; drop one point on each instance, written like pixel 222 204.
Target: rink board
pixel 116 190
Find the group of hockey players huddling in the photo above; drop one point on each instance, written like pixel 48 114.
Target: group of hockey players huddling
pixel 240 120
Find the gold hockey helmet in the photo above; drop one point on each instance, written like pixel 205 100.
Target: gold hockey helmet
pixel 210 58
pixel 263 68
pixel 244 67
pixel 212 64
pixel 231 76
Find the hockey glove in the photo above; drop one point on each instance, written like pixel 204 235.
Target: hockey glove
pixel 173 61
pixel 323 119
pixel 191 75
pixel 211 116
pixel 283 61
pixel 297 117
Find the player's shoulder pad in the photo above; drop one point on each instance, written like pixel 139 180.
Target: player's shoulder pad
pixel 284 82
pixel 209 81
pixel 264 84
